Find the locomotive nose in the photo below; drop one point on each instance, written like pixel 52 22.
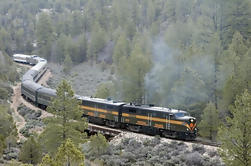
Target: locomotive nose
pixel 192 120
pixel 192 123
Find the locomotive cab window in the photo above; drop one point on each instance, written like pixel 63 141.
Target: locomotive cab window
pixel 181 114
pixel 110 107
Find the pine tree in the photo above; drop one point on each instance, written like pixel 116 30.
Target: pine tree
pixel 2 145
pixel 104 90
pixel 132 71
pixel 6 121
pixel 234 68
pixel 61 49
pixel 236 17
pixel 67 154
pixel 208 126
pixel 30 152
pixel 82 48
pixel 98 40
pixel 67 64
pixel 121 49
pixel 8 131
pixel 44 35
pixel 5 39
pixel 67 122
pixel 235 135
pixel 47 161
pixel 98 144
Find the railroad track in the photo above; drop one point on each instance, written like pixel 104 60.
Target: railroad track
pixel 103 130
pixel 112 132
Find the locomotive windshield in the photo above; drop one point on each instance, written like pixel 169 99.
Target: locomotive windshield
pixel 181 114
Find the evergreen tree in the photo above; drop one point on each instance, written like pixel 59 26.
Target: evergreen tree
pixel 30 152
pixel 67 64
pixel 61 49
pixel 216 51
pixel 44 35
pixel 235 68
pixel 208 126
pixel 151 12
pixel 104 90
pixel 11 140
pixel 5 39
pixel 132 71
pixel 235 135
pixel 121 49
pixel 67 122
pixel 2 145
pixel 77 26
pixel 67 154
pixel 236 17
pixel 98 144
pixel 168 12
pixel 7 126
pixel 47 161
pixel 82 48
pixel 97 42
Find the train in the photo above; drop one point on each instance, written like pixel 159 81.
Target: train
pixel 148 119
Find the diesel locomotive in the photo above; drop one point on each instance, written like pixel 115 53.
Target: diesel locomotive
pixel 137 118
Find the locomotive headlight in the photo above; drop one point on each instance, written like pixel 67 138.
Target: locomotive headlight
pixel 191 120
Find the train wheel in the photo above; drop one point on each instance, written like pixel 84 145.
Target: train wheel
pixel 134 128
pixel 24 97
pixel 110 123
pixel 169 134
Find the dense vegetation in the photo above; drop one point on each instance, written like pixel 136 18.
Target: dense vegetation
pixel 8 132
pixel 204 45
pixel 188 54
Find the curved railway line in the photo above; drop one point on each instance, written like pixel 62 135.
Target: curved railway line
pixel 108 131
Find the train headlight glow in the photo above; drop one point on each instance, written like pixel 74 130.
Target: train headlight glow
pixel 191 120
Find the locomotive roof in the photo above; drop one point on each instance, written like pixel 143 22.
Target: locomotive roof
pixel 154 108
pixel 98 100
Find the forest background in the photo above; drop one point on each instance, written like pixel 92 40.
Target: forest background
pixel 188 54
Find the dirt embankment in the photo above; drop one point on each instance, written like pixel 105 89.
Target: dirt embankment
pixel 17 99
